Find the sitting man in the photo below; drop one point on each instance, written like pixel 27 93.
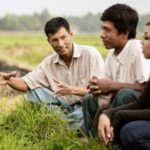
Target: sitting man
pixel 125 71
pixel 61 79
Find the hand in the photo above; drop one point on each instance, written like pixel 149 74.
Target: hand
pixel 63 89
pixel 93 87
pixel 98 86
pixel 105 131
pixel 4 77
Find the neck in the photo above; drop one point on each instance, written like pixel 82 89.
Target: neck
pixel 120 47
pixel 68 58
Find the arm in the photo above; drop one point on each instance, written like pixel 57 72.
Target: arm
pixel 65 89
pixel 106 120
pixel 115 86
pixel 110 112
pixel 105 86
pixel 16 83
pixel 124 116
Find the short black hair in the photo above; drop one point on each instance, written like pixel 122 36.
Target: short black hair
pixel 124 18
pixel 53 25
pixel 148 23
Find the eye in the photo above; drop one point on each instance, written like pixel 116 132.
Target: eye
pixel 146 37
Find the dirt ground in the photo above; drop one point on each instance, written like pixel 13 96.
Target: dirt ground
pixel 5 90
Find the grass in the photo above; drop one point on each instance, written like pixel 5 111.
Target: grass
pixel 27 126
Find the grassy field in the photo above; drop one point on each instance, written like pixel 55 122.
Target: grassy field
pixel 26 127
pixel 29 50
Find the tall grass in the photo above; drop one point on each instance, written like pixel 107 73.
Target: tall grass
pixel 30 127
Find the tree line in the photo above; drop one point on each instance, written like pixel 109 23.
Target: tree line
pixel 88 23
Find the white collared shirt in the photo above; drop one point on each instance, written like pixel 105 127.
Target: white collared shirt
pixel 85 63
pixel 128 65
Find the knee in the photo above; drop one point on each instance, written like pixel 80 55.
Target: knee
pixel 129 136
pixel 87 99
pixel 125 96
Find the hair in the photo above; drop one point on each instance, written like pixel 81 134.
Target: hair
pixel 148 23
pixel 124 18
pixel 53 25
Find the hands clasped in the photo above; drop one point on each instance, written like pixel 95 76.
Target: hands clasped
pixel 98 86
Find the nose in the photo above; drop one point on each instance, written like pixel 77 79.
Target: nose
pixel 102 34
pixel 60 43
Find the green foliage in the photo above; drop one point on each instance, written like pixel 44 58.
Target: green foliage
pixel 33 127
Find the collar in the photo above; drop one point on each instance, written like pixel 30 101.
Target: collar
pixel 123 55
pixel 76 54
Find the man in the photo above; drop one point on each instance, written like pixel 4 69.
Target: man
pixel 131 121
pixel 61 79
pixel 125 71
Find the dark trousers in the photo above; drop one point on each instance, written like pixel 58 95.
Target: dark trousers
pixel 90 107
pixel 136 135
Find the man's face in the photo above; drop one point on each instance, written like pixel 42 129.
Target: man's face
pixel 146 42
pixel 61 42
pixel 110 36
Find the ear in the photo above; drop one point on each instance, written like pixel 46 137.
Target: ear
pixel 48 40
pixel 71 33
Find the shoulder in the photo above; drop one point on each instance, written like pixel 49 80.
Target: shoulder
pixel 86 48
pixel 49 59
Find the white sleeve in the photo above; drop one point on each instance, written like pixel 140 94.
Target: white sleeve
pixel 97 64
pixel 36 78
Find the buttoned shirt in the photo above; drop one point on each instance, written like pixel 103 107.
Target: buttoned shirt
pixel 85 63
pixel 128 65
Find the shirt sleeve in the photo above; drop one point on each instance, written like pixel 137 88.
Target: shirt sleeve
pixel 97 64
pixel 36 78
pixel 141 73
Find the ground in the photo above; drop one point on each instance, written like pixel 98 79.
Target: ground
pixel 5 67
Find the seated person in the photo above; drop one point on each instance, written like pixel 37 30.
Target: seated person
pixel 61 79
pixel 130 123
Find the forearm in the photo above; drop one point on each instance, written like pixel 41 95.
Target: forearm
pixel 79 91
pixel 123 116
pixel 115 86
pixel 130 106
pixel 111 111
pixel 17 84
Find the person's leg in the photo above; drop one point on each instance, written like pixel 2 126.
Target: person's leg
pixel 136 135
pixel 40 95
pixel 90 107
pixel 124 96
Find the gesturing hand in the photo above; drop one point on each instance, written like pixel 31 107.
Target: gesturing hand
pixel 4 77
pixel 63 89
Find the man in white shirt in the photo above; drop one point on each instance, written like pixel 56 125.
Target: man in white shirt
pixel 125 71
pixel 61 79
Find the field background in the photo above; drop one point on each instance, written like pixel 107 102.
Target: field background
pixel 32 128
pixel 28 50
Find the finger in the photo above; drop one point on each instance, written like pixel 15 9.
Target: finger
pixel 94 87
pixel 13 73
pixel 93 81
pixel 96 92
pixel 103 137
pixel 112 133
pixel 108 133
pixel 94 77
